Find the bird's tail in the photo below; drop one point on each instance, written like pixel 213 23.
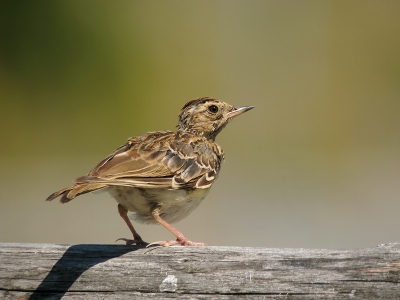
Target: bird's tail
pixel 69 193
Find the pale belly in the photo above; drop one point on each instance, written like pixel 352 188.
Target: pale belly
pixel 174 204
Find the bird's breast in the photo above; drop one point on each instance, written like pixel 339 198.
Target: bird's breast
pixel 174 205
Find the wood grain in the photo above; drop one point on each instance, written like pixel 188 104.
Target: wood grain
pixel 47 271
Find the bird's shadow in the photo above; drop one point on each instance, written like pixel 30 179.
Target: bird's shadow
pixel 76 260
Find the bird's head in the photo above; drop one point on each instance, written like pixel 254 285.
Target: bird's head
pixel 207 116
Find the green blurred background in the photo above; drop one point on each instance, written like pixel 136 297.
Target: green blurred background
pixel 315 164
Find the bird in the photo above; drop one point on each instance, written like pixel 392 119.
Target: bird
pixel 162 176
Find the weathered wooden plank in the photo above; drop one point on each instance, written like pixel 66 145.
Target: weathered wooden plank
pixel 119 271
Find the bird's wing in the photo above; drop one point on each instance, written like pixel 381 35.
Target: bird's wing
pixel 160 160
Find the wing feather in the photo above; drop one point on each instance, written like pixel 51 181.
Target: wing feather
pixel 173 160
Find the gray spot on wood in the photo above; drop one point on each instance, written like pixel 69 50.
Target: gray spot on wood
pixel 169 284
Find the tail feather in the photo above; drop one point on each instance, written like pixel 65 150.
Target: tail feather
pixel 80 189
pixel 59 193
pixel 71 192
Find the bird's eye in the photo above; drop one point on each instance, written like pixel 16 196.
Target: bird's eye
pixel 213 109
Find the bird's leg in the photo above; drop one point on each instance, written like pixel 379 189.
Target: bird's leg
pixel 180 238
pixel 123 212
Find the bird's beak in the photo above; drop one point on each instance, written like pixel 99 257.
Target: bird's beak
pixel 238 111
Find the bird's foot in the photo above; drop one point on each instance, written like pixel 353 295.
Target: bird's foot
pixel 183 241
pixel 133 242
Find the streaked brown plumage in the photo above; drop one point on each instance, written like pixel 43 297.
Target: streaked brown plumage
pixel 162 176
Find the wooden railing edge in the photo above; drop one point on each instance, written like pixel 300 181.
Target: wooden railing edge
pixel 85 271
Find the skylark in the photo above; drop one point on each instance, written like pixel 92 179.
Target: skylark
pixel 163 176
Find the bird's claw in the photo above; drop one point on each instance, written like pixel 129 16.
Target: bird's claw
pixel 133 242
pixel 179 241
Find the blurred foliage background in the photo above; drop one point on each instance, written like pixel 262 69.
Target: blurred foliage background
pixel 315 164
